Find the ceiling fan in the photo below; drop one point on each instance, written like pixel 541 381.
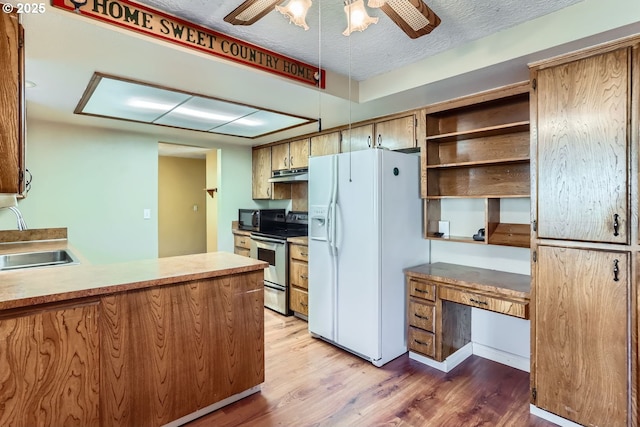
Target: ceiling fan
pixel 414 17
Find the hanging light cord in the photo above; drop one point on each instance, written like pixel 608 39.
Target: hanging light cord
pixel 319 67
pixel 349 89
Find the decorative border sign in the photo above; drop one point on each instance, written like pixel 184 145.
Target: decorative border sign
pixel 154 23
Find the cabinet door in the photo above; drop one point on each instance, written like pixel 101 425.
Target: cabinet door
pixel 299 153
pixel 581 329
pixel 280 157
pixel 50 368
pixel 324 145
pixel 583 145
pixel 261 187
pixel 397 134
pixel 11 107
pixel 360 138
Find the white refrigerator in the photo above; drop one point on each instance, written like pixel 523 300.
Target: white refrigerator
pixel 365 227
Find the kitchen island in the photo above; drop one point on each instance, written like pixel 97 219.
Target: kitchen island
pixel 143 343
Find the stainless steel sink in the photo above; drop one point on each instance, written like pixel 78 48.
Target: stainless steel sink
pixel 37 259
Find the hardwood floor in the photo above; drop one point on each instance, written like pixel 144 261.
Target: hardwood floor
pixel 312 383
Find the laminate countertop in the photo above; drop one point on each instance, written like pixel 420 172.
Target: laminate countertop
pixel 302 240
pixel 27 287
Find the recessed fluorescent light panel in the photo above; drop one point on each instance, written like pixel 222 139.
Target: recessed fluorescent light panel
pixel 118 98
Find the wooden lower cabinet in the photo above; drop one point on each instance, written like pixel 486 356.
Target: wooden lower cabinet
pixel 241 244
pixel 299 279
pixel 137 358
pixel 580 345
pixel 50 367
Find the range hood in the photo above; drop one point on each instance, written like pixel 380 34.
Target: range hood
pixel 293 175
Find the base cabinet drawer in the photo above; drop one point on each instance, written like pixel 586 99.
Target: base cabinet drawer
pixel 299 301
pixel 299 273
pixel 421 315
pixel 513 308
pixel 422 342
pixel 242 241
pixel 299 252
pixel 242 251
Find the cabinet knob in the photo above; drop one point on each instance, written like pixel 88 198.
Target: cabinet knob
pixel 616 270
pixel 616 224
pixel 304 276
pixel 379 140
pixel 369 141
pixel 475 301
pixel 291 161
pixel 303 254
pixel 285 161
pixel 421 317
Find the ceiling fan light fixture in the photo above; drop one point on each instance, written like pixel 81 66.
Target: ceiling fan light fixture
pixel 357 17
pixel 296 11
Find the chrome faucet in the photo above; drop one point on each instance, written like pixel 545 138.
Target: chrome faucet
pixel 9 201
pixel 21 224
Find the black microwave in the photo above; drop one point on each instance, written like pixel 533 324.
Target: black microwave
pixel 259 219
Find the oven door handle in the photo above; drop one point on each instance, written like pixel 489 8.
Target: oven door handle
pixel 267 239
pixel 275 286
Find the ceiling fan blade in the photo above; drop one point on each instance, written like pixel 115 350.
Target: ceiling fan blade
pixel 413 16
pixel 250 11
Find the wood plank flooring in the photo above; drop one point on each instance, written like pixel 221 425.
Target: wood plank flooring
pixel 312 383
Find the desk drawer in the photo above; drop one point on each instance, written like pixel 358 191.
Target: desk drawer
pixel 422 289
pixel 422 342
pixel 242 241
pixel 504 306
pixel 421 315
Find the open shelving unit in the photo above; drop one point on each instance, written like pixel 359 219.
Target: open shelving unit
pixel 478 147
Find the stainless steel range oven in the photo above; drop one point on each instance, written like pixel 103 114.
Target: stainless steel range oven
pixel 274 251
pixel 270 245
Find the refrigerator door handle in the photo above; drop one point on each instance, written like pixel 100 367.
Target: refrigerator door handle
pixel 333 205
pixel 329 223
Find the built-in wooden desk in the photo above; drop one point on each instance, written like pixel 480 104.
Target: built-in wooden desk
pixel 440 297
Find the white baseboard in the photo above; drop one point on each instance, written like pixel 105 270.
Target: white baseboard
pixel 562 422
pixel 204 411
pixel 449 363
pixel 509 359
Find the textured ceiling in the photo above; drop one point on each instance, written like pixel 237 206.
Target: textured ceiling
pixel 381 48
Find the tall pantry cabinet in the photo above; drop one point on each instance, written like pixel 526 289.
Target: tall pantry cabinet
pixel 584 145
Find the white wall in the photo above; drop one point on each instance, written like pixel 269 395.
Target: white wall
pixel 97 184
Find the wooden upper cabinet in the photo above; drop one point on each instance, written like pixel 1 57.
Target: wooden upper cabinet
pixel 397 134
pixel 583 149
pixel 280 157
pixel 581 329
pixel 360 138
pixel 325 144
pixel 11 105
pixel 261 187
pixel 290 155
pixel 299 154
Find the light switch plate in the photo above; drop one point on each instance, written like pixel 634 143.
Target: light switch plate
pixel 146 214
